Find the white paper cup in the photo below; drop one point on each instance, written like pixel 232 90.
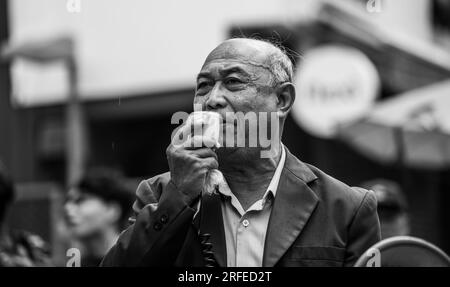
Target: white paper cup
pixel 206 124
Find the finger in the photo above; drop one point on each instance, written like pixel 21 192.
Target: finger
pixel 203 153
pixel 210 163
pixel 198 142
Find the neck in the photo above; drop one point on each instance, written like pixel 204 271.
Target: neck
pixel 247 174
pixel 98 244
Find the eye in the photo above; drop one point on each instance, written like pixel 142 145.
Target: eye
pixel 233 81
pixel 203 87
pixel 79 199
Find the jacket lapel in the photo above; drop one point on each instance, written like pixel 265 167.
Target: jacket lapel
pixel 211 222
pixel 293 205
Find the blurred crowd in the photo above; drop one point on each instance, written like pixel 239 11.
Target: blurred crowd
pixel 97 209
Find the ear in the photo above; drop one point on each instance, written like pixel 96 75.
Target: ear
pixel 285 98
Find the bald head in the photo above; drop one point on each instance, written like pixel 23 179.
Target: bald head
pixel 258 53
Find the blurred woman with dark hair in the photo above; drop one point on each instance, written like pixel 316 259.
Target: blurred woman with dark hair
pixel 96 211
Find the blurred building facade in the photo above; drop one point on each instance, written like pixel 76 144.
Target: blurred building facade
pixel 130 128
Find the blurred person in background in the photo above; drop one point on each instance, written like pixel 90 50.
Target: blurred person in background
pixel 18 248
pixel 96 211
pixel 392 207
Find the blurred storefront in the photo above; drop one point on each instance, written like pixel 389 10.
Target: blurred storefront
pixel 406 58
pixel 130 129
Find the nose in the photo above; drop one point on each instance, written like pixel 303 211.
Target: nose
pixel 69 209
pixel 216 99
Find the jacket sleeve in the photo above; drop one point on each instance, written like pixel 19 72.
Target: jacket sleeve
pixel 158 230
pixel 364 230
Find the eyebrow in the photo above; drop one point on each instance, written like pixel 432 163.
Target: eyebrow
pixel 232 70
pixel 225 72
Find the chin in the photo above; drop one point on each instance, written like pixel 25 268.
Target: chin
pixel 82 232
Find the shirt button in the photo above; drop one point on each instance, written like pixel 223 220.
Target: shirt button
pixel 245 222
pixel 157 226
pixel 164 218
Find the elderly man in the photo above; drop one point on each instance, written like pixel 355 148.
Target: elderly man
pixel 271 211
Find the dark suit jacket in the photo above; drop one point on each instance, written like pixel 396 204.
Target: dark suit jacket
pixel 316 220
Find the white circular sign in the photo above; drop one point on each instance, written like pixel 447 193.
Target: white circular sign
pixel 335 84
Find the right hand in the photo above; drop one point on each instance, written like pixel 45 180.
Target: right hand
pixel 189 166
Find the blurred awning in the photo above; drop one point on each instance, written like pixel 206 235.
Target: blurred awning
pixel 403 62
pixel 412 129
pixel 44 51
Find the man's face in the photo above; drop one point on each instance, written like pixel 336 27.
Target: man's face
pixel 235 78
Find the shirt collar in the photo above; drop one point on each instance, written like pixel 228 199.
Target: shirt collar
pixel 273 185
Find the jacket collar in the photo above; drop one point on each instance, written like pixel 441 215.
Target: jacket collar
pixel 293 205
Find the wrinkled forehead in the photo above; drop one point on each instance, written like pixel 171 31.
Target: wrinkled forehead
pixel 240 52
